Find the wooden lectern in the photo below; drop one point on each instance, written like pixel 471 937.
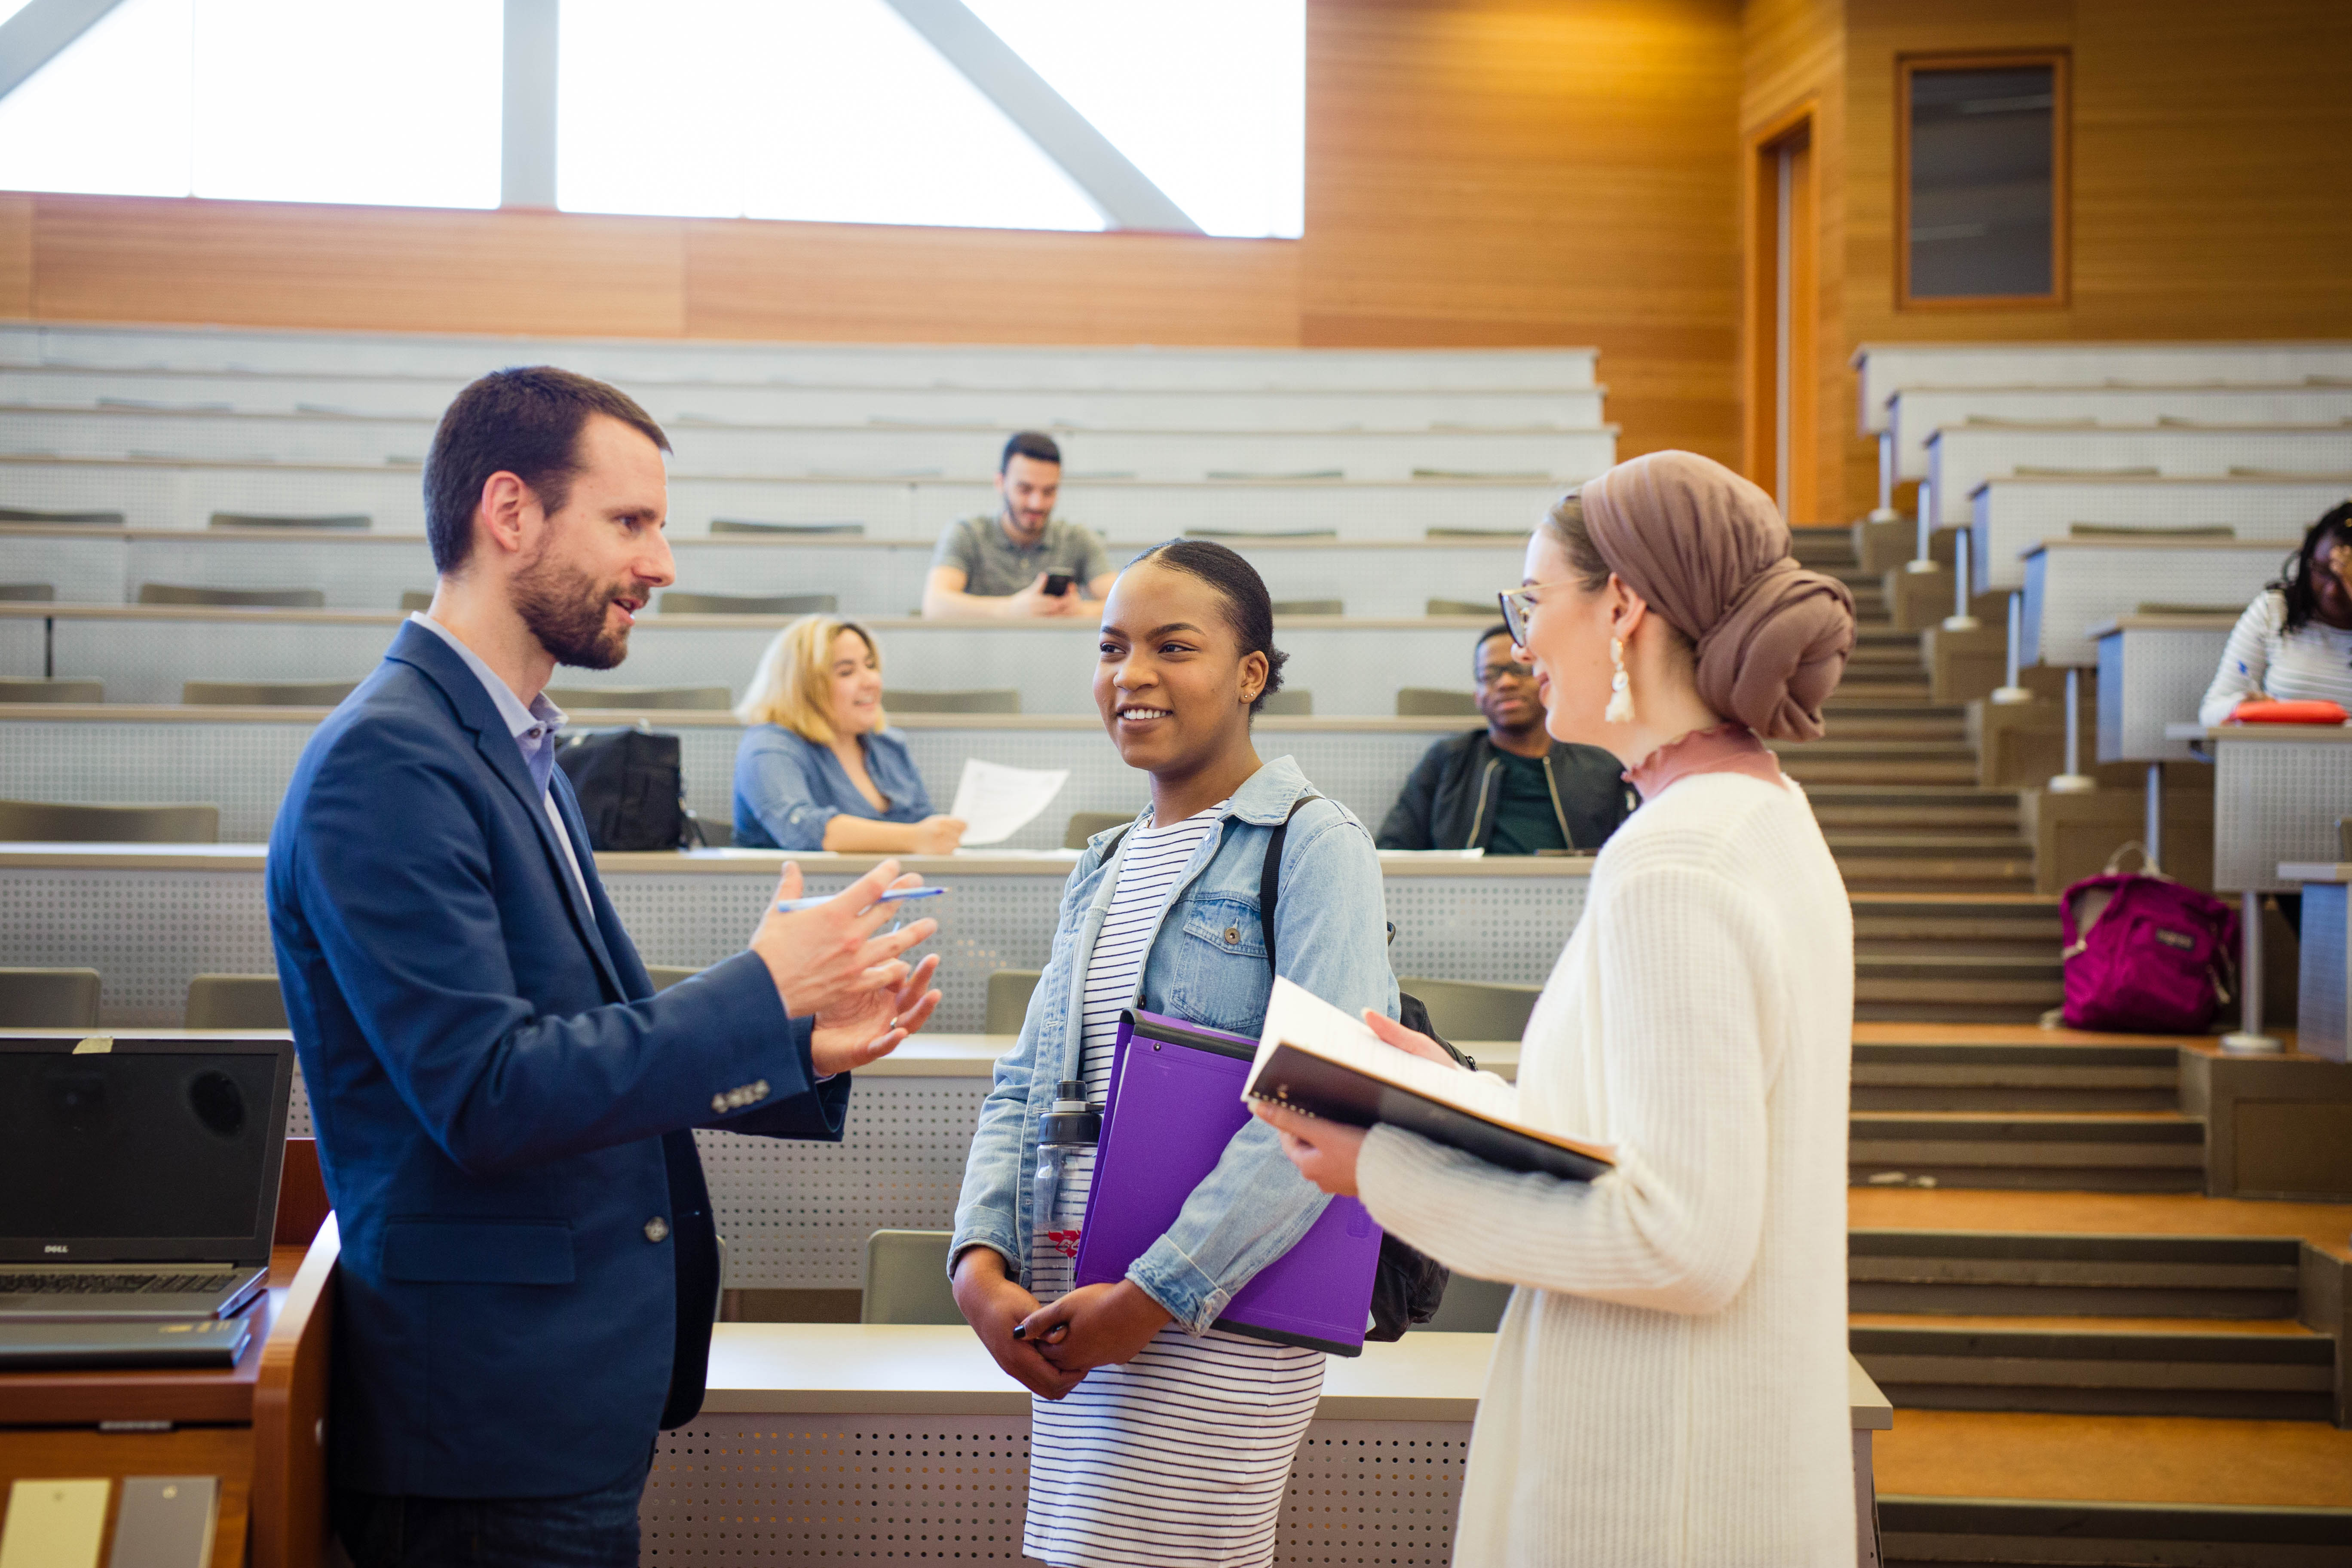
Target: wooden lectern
pixel 261 1426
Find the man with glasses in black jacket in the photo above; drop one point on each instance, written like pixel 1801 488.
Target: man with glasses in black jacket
pixel 1509 788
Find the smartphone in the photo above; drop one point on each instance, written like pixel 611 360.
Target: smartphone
pixel 1058 583
pixel 165 1522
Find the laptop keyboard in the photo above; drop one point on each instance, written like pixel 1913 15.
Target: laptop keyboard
pixel 80 1283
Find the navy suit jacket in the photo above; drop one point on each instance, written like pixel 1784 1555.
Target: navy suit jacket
pixel 503 1106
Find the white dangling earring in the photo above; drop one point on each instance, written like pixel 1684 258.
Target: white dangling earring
pixel 1620 689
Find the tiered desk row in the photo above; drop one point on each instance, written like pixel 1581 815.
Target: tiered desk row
pixel 86 564
pixel 2136 497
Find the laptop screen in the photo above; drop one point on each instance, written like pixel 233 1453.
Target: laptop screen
pixel 148 1149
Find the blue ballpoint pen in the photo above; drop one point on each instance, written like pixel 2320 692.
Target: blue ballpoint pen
pixel 790 906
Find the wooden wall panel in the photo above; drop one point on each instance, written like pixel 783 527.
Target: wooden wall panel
pixel 2212 152
pixel 1479 173
pixel 1792 55
pixel 1520 172
pixel 121 258
pixel 865 283
pixel 16 256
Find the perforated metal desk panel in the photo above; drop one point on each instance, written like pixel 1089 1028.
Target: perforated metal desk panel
pixel 872 577
pixel 183 495
pixel 240 758
pixel 1962 457
pixel 145 653
pixel 2323 1017
pixel 1070 410
pixel 2011 513
pixel 2074 585
pixel 866 1443
pixel 1884 369
pixel 2153 672
pixel 147 917
pixel 1914 413
pixel 2277 792
pixel 870 364
pixel 705 447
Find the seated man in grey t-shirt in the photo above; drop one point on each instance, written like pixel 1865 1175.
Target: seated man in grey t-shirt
pixel 1002 565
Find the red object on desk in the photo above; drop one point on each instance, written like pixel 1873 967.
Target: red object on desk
pixel 2264 710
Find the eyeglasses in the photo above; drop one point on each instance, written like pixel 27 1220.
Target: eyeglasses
pixel 1519 604
pixel 1495 674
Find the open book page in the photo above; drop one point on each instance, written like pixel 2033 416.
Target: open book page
pixel 1298 1019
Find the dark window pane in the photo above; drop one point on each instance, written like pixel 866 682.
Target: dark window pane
pixel 1982 173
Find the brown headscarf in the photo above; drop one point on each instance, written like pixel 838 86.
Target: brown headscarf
pixel 1708 551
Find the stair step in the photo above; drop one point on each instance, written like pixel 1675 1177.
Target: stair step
pixel 2095 1370
pixel 2127 1152
pixel 1890 1077
pixel 1942 846
pixel 1992 1532
pixel 2092 1275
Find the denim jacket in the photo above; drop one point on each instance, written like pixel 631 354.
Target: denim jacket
pixel 1207 965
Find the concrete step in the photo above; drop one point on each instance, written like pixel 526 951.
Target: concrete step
pixel 1952 1075
pixel 1917 1532
pixel 2131 1153
pixel 1996 1273
pixel 2279 1371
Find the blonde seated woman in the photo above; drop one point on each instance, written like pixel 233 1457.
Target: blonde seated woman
pixel 818 769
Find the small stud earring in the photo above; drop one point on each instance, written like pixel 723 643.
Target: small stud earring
pixel 1620 689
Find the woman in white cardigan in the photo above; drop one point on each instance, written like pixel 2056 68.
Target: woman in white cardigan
pixel 1669 1385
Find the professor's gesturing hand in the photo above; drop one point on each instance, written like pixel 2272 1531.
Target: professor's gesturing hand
pixel 831 962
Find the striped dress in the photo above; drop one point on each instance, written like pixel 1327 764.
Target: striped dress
pixel 1179 1457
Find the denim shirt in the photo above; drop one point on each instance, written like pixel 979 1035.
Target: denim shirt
pixel 1207 964
pixel 788 787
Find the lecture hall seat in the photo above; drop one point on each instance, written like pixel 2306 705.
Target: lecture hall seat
pixel 48 998
pixel 28 593
pixel 1292 703
pixel 1085 824
pixel 907 1278
pixel 32 514
pixel 342 521
pixel 676 604
pixel 55 822
pixel 629 699
pixel 1008 999
pixel 265 693
pixel 993 700
pixel 1434 702
pixel 802 530
pixel 16 690
pixel 234 1002
pixel 1474 1009
pixel 250 598
pixel 1311 606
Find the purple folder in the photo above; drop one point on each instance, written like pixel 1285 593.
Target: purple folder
pixel 1175 1104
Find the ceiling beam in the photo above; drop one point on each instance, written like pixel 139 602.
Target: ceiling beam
pixel 1122 193
pixel 527 105
pixel 41 32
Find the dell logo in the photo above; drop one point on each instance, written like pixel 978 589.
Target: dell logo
pixel 57 1247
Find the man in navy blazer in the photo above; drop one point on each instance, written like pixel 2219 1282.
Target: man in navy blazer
pixel 504 1106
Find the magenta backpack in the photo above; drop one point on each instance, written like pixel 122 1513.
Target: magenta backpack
pixel 2144 953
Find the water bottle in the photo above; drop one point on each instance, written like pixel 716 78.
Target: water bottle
pixel 1072 1125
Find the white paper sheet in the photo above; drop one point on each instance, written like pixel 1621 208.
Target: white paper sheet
pixel 996 802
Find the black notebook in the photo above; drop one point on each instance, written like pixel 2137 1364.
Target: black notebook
pixel 1315 1058
pixel 188 1342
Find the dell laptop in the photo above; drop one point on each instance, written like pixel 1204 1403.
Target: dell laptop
pixel 138 1178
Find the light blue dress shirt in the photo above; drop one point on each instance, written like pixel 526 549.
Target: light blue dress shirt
pixel 533 729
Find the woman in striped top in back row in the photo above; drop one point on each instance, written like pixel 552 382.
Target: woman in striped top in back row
pixel 2295 641
pixel 1158 1438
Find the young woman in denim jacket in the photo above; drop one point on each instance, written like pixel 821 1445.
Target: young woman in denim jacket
pixel 1157 1438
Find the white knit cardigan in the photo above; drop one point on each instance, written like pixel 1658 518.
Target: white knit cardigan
pixel 1669 1385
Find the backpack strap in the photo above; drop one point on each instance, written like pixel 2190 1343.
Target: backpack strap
pixel 1269 877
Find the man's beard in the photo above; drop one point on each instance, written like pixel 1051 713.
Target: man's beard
pixel 567 613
